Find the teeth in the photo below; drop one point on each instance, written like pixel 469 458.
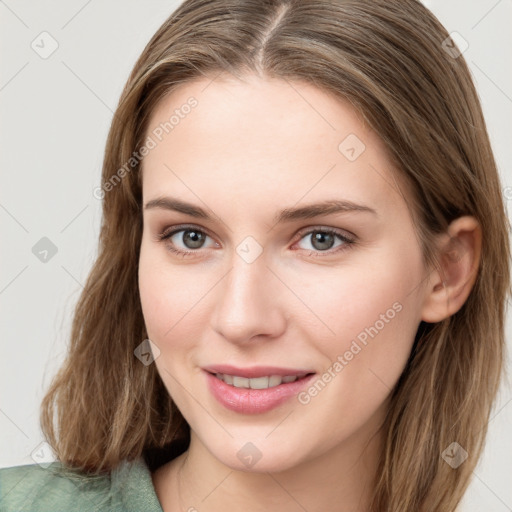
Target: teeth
pixel 258 382
pixel 274 380
pixel 240 382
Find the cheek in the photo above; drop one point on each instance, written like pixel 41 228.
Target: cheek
pixel 367 291
pixel 361 363
pixel 161 294
pixel 172 298
pixel 169 302
pixel 370 314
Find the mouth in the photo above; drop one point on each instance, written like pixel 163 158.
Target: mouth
pixel 255 390
pixel 264 382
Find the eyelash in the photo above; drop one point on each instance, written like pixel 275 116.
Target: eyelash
pixel 347 242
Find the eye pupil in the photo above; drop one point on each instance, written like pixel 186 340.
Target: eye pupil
pixel 320 238
pixel 195 238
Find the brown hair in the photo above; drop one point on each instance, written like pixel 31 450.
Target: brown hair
pixel 388 59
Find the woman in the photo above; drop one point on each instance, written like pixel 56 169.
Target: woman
pixel 299 297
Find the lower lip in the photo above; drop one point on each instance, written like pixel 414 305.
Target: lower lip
pixel 254 401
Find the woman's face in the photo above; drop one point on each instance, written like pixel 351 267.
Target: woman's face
pixel 265 285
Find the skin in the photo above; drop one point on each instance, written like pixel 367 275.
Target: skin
pixel 244 153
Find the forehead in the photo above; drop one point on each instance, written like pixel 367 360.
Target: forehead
pixel 259 136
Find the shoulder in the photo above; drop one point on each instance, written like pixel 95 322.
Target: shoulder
pixel 35 487
pixel 57 488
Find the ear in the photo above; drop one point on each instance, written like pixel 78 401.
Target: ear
pixel 459 257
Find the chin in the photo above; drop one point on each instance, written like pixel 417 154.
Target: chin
pixel 258 456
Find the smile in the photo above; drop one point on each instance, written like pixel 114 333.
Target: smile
pixel 265 382
pixel 255 390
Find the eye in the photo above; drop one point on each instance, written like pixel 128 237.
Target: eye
pixel 322 240
pixel 190 238
pixel 185 241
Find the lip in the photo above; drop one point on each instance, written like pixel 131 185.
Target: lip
pixel 254 401
pixel 256 371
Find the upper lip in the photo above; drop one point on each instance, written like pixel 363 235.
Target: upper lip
pixel 255 371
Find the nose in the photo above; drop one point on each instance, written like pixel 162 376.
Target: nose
pixel 248 303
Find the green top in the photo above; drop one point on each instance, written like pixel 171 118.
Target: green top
pixel 33 488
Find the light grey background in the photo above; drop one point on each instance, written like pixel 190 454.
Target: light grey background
pixel 55 114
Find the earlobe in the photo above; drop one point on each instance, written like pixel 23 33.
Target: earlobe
pixel 449 285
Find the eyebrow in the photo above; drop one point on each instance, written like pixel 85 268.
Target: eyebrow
pixel 287 215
